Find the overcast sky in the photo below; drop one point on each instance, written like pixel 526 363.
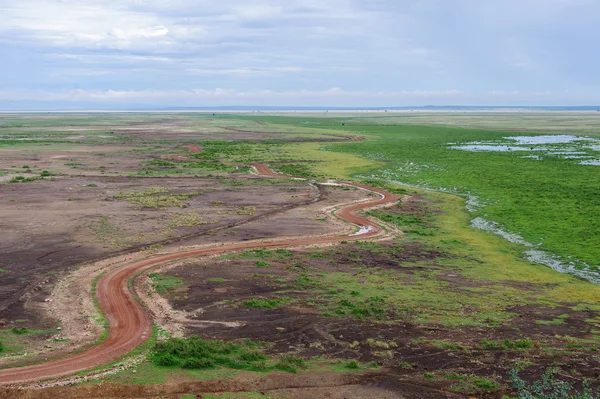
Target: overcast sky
pixel 160 53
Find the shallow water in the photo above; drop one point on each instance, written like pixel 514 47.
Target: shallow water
pixel 536 157
pixel 494 148
pixel 593 162
pixel 547 139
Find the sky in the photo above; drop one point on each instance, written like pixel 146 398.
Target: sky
pixel 122 54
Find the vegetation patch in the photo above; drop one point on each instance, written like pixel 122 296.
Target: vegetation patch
pixel 164 284
pixel 264 303
pixel 294 169
pixel 198 353
pixel 151 198
pixel 551 387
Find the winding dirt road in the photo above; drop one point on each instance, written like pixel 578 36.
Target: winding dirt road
pixel 130 325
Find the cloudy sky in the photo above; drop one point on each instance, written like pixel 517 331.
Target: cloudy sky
pixel 161 53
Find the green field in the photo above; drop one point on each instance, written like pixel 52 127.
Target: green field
pixel 552 203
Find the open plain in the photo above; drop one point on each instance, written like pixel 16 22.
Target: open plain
pixel 426 269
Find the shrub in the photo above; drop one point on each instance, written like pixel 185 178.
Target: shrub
pixel 19 330
pixel 23 179
pixel 262 263
pixel 352 364
pixel 551 388
pixel 290 363
pixel 198 353
pixel 266 303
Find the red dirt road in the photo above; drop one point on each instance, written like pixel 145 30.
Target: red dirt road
pixel 129 323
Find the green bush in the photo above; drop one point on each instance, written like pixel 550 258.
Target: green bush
pixel 551 388
pixel 164 284
pixel 162 163
pixel 198 353
pixel 19 330
pixel 352 364
pixel 525 343
pixel 266 303
pixel 23 179
pixel 262 263
pixel 290 363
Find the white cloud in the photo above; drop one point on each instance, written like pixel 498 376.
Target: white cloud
pixel 397 48
pixel 264 71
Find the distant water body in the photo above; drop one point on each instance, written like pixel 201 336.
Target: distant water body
pixel 260 108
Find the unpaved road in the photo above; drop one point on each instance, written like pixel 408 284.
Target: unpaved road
pixel 130 325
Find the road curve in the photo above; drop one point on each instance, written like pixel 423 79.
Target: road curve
pixel 130 325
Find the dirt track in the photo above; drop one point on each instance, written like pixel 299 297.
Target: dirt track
pixel 129 324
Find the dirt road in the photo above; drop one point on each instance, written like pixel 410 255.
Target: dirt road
pixel 129 323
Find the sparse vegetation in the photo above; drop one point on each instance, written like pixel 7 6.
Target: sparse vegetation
pixel 550 387
pixel 198 353
pixel 164 284
pixel 150 198
pixel 264 303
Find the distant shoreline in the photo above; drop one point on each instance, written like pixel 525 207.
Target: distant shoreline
pixel 321 110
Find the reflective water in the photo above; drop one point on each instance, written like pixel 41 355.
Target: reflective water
pixel 593 162
pixel 548 139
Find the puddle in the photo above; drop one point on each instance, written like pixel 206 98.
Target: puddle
pixel 536 157
pixel 494 148
pixel 593 162
pixel 561 146
pixel 580 269
pixel 363 230
pixel 547 139
pixel 567 152
pixel 24 139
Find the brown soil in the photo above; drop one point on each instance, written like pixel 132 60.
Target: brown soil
pixel 371 385
pixel 54 225
pixel 130 325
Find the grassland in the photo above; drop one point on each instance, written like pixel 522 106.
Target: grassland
pixel 444 287
pixel 543 201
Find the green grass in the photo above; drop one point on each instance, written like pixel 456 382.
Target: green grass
pixel 151 199
pixel 550 386
pixel 261 253
pixel 296 170
pixel 263 303
pixel 418 291
pixel 195 353
pixel 543 201
pixel 164 284
pixel 262 263
pixel 239 395
pixel 507 344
